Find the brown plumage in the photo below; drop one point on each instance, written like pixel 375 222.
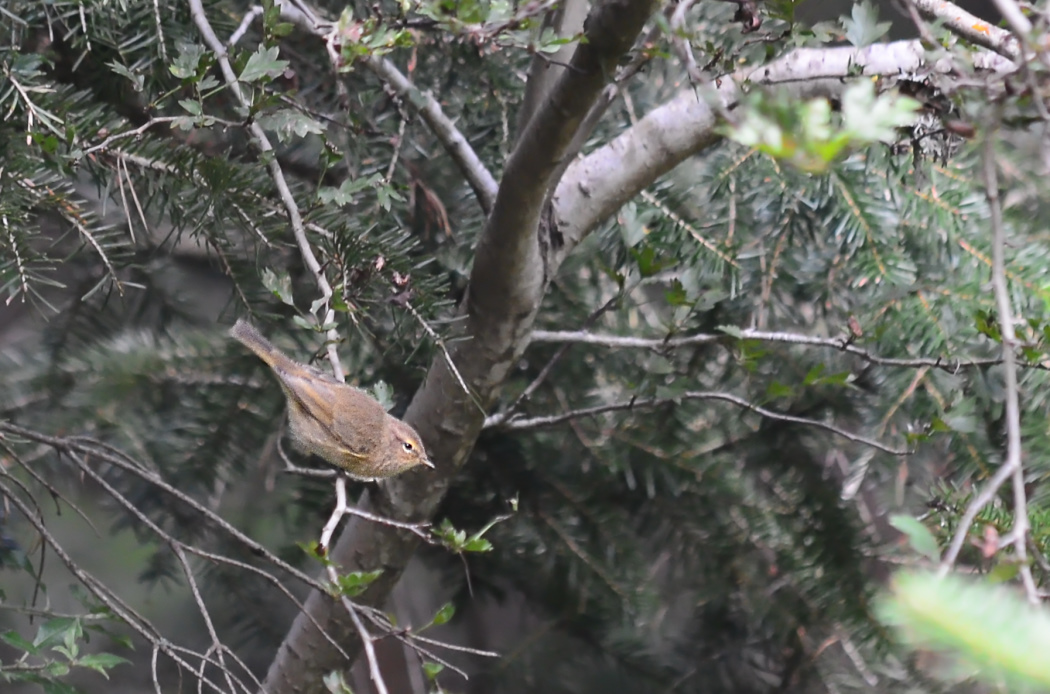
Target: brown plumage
pixel 337 422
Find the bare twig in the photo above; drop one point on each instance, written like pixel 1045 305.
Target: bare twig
pixel 843 344
pixel 134 132
pixel 1012 466
pixel 98 589
pixel 246 22
pixel 549 366
pixel 370 650
pixel 262 142
pixel 448 357
pixel 522 423
pixel 479 177
pixel 342 508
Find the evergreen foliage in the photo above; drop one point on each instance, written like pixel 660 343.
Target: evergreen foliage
pixel 695 545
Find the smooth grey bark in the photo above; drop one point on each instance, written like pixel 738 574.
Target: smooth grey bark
pixel 566 20
pixel 509 278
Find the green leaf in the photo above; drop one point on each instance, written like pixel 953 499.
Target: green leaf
pixel 813 375
pixel 355 582
pixel 477 544
pixel 15 639
pixel 863 27
pixel 919 536
pixel 992 628
pixel 676 295
pixel 185 66
pixel 263 63
pixel 432 670
pixel 280 285
pixel 55 687
pixel 345 193
pixel 382 392
pixel 336 684
pixel 289 123
pixel 101 662
pixel 444 614
pixel 1004 571
pixel 59 629
pixel 190 105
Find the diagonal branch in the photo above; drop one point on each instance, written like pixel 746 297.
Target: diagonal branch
pixel 454 142
pixel 596 186
pixel 479 177
pixel 507 284
pixel 277 174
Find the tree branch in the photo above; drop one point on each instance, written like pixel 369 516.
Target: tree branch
pixel 258 135
pixel 597 185
pixel 842 344
pixel 479 177
pixel 969 27
pixel 506 286
pixel 522 424
pixel 1012 466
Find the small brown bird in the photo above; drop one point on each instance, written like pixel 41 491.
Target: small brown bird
pixel 337 422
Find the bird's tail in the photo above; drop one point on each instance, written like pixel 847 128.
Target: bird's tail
pixel 245 333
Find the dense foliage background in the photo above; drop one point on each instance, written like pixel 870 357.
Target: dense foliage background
pixel 691 417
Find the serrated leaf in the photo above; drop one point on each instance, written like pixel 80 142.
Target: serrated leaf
pixel 347 190
pixel 382 392
pixel 288 123
pixel 263 63
pixel 101 662
pixel 863 27
pixel 191 106
pixel 477 544
pixel 280 285
pixel 185 66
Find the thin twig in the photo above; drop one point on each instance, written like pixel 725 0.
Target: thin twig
pixel 1012 466
pixel 448 357
pixel 843 344
pixel 246 22
pixel 549 366
pixel 522 424
pixel 142 627
pixel 262 142
pixel 370 650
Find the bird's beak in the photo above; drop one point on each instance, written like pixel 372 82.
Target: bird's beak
pixel 426 461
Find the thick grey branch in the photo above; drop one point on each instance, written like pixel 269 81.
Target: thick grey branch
pixel 506 287
pixel 597 185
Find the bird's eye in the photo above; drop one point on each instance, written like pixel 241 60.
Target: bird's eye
pixel 407 445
